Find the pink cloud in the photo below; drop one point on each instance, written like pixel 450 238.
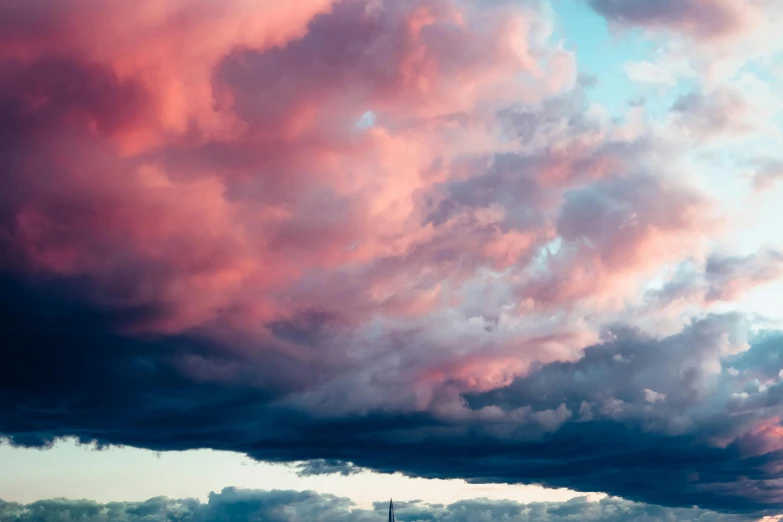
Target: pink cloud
pixel 616 233
pixel 196 174
pixel 211 169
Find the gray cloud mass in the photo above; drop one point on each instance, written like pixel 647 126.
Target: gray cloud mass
pixel 237 505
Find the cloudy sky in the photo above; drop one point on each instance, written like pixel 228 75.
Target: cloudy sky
pixel 499 259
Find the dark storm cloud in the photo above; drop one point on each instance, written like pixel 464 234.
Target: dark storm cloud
pixel 200 249
pixel 64 363
pixel 634 414
pixel 283 506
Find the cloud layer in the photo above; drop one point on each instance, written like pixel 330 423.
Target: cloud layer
pixel 394 234
pixel 280 506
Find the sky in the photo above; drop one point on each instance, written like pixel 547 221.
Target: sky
pixel 498 259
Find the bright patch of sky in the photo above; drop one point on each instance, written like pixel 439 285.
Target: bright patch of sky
pixel 366 121
pixel 128 474
pixel 629 67
pixel 614 61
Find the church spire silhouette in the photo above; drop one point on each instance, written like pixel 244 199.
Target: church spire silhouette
pixel 391 511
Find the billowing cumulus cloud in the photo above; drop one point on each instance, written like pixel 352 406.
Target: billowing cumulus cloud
pixel 237 504
pixel 385 234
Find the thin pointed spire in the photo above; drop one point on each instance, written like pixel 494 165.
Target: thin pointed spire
pixel 391 511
